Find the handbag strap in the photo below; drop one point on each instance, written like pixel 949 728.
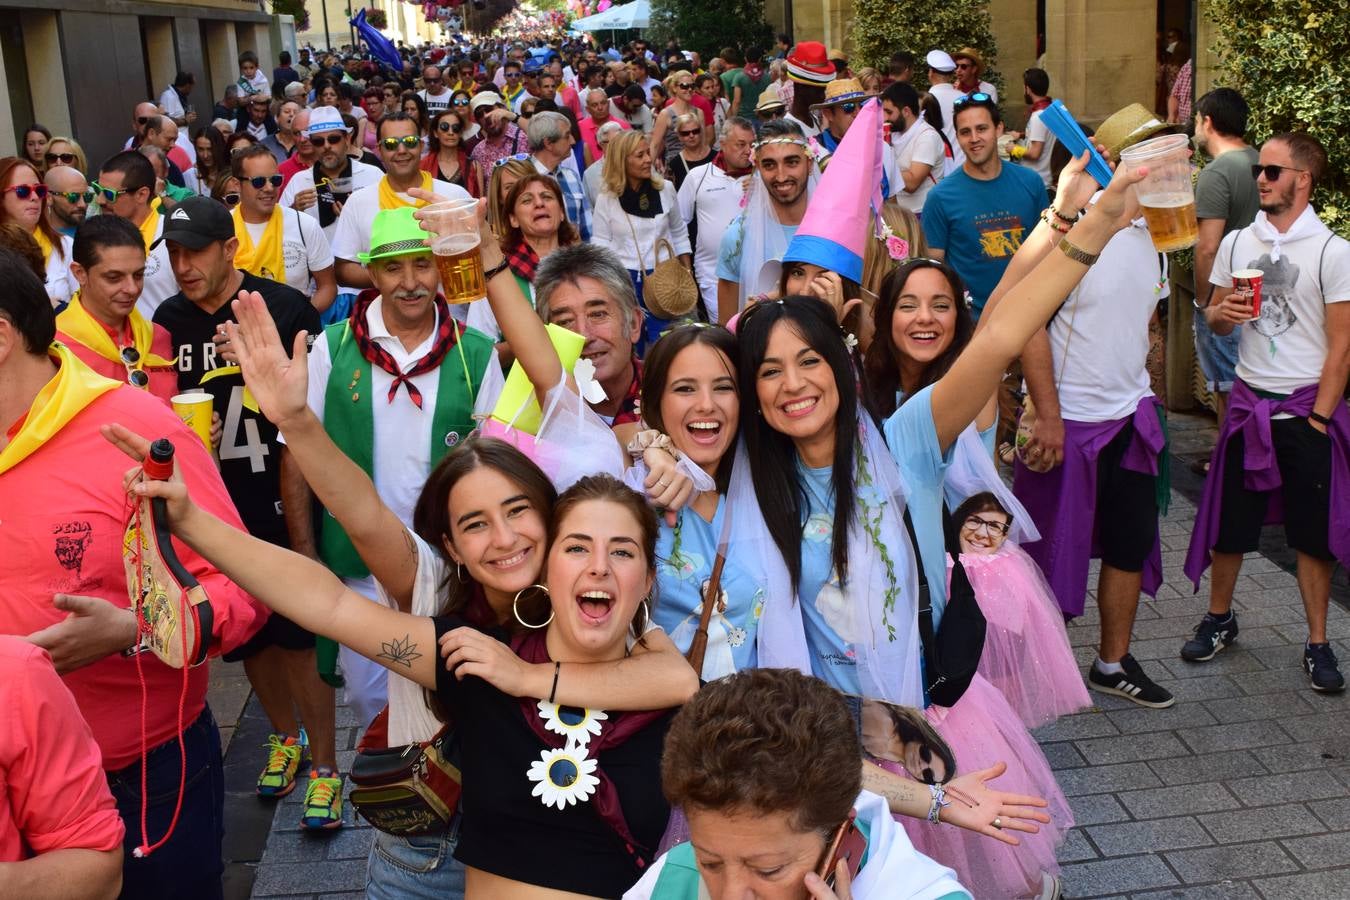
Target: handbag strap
pixel 642 263
pixel 698 647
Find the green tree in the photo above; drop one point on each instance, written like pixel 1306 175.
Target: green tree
pixel 881 27
pixel 294 8
pixel 734 23
pixel 1288 60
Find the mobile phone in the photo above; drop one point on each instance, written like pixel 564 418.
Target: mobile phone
pixel 1057 118
pixel 849 844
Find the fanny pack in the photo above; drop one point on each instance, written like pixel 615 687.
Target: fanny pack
pixel 410 790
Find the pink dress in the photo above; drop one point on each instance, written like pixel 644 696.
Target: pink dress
pixel 1026 649
pixel 982 729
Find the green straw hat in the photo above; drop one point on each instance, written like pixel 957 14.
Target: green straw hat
pixel 395 233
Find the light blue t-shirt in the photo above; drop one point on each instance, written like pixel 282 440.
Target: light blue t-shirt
pixel 980 224
pixel 824 614
pixel 913 441
pixel 729 251
pixel 681 578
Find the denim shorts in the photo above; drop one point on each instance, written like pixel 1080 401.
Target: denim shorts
pixel 416 867
pixel 1217 354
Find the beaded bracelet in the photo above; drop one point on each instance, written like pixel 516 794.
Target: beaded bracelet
pixel 1054 225
pixel 939 801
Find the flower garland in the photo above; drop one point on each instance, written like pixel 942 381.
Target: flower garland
pixel 871 521
pixel 897 248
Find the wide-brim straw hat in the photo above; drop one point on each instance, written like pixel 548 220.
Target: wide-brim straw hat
pixel 842 90
pixel 770 99
pixel 1126 127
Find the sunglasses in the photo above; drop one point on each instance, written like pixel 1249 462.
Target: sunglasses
pixel 109 195
pixel 965 65
pixel 65 159
pixel 449 126
pixel 331 140
pixel 231 199
pixel 408 140
pixel 1272 171
pixel 24 191
pixel 977 97
pixel 512 74
pixel 462 101
pixel 519 157
pixel 846 108
pixel 685 85
pixel 131 358
pixel 258 182
pixel 76 196
pixel 780 113
pixel 690 132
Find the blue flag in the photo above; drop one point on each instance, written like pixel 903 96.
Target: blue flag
pixel 380 46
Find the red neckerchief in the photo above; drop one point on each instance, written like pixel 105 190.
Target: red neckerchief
pixel 630 411
pixel 969 90
pixel 618 728
pixel 1040 104
pixel 754 71
pixel 721 163
pixel 523 261
pixel 447 335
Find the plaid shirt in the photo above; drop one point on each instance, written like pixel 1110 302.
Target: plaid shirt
pixel 574 198
pixel 1184 90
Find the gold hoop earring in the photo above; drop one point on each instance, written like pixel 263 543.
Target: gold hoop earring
pixel 515 608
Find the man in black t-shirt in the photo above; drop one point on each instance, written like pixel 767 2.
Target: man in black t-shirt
pixel 279 661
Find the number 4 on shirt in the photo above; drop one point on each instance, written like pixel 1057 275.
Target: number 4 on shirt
pixel 253 449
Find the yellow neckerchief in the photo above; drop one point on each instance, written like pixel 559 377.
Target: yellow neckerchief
pixel 44 243
pixel 150 227
pixel 265 260
pixel 74 387
pixel 389 198
pixel 76 323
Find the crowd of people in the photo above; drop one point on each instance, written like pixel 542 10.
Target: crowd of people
pixel 708 550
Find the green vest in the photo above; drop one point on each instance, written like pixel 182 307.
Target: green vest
pixel 349 419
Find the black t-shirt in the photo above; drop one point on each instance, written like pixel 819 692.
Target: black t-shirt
pixel 509 832
pixel 250 454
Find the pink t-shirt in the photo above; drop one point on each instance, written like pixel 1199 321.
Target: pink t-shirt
pixel 53 793
pixel 163 380
pixel 589 127
pixel 62 517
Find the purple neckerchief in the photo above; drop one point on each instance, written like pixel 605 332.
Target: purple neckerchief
pixel 1252 414
pixel 1063 501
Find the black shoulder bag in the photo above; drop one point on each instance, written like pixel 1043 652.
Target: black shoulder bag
pixel 951 653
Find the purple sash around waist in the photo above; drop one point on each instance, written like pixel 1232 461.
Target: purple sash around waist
pixel 1251 415
pixel 1063 501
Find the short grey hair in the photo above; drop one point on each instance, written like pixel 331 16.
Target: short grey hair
pixel 566 264
pixel 734 122
pixel 607 131
pixel 546 126
pixel 231 90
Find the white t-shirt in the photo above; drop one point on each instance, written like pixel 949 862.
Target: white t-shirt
pixel 1100 368
pixel 715 197
pixel 304 248
pixel 160 283
pixel 924 147
pixel 363 175
pixel 172 103
pixel 1285 348
pixel 61 284
pixel 436 102
pixel 947 95
pixel 1038 131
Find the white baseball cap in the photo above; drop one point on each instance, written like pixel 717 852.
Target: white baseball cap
pixel 484 98
pixel 940 61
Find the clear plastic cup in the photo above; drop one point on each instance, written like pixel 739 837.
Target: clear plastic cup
pixel 454 243
pixel 1167 194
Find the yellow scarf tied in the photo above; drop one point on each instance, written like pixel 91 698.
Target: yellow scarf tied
pixel 389 198
pixel 44 243
pixel 264 260
pixel 150 227
pixel 73 388
pixel 76 323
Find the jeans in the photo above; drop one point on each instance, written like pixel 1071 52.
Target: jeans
pixel 416 867
pixel 190 864
pixel 1217 354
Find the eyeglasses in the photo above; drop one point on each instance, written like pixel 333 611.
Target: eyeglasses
pixel 136 377
pixel 519 157
pixel 258 182
pixel 780 113
pixel 1272 171
pixel 24 191
pixel 109 195
pixel 331 140
pixel 462 101
pixel 66 159
pixel 76 196
pixel 690 132
pixel 449 126
pixel 977 97
pixel 408 140
pixel 987 527
pixel 231 199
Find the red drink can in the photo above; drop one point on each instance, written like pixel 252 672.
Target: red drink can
pixel 886 133
pixel 1249 281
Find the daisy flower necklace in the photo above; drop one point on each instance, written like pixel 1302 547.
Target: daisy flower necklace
pixel 566 775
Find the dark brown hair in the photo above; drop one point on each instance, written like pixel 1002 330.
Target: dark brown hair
pixel 1307 151
pixel 984 501
pixel 656 377
pixel 513 235
pixel 765 741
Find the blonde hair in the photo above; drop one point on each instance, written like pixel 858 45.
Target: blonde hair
pixel 615 172
pixel 497 208
pixel 877 262
pixel 81 162
pixel 869 78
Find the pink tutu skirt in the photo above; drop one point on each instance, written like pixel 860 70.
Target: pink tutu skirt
pixel 982 729
pixel 1027 656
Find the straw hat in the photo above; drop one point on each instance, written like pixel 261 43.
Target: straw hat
pixel 809 64
pixel 973 55
pixel 1126 127
pixel 770 99
pixel 842 90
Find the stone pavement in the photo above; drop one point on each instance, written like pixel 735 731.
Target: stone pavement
pixel 1242 790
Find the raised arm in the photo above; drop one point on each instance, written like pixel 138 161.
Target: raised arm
pixel 960 395
pixel 299 588
pixel 279 383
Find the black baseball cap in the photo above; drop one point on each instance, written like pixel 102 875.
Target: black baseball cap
pixel 196 222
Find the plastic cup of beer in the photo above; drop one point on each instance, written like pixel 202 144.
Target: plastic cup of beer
pixel 454 243
pixel 1166 195
pixel 194 408
pixel 1248 284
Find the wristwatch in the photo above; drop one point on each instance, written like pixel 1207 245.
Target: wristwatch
pixel 1077 254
